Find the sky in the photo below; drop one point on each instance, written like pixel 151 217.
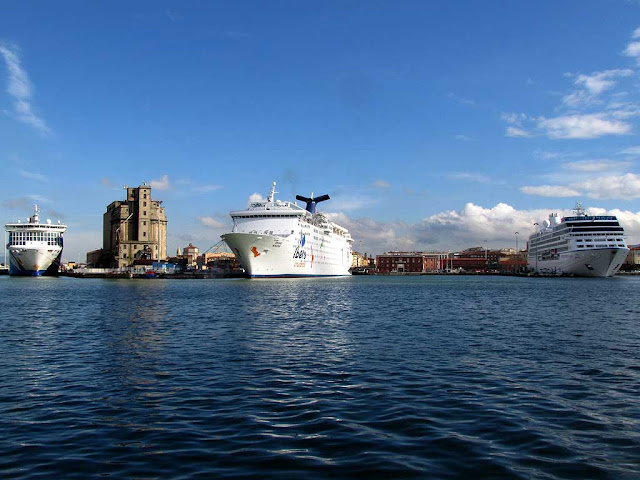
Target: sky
pixel 432 125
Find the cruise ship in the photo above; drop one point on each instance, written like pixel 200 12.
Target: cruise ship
pixel 34 248
pixel 275 238
pixel 581 245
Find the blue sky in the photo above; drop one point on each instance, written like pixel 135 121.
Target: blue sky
pixel 432 125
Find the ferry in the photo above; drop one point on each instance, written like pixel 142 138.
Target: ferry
pixel 275 238
pixel 581 245
pixel 34 248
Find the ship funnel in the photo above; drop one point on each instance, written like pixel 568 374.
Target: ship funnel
pixel 311 202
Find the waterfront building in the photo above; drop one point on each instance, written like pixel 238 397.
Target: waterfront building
pixel 134 229
pixel 406 262
pixel 190 253
pixel 632 262
pixel 359 260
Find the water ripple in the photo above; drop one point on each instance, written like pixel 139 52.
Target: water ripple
pixel 430 377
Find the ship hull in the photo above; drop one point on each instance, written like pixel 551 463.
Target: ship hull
pixel 33 261
pixel 602 262
pixel 277 256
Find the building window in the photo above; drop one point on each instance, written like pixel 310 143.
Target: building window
pixel 144 212
pixel 145 204
pixel 144 223
pixel 144 234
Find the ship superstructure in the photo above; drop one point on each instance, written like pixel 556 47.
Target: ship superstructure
pixel 34 248
pixel 582 245
pixel 275 238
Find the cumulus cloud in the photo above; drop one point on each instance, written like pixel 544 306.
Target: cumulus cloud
pixel 591 86
pixel 255 197
pixel 621 187
pixel 516 121
pixel 162 184
pixel 632 50
pixel 517 132
pixel 211 222
pixel 609 187
pixel 594 107
pixel 468 227
pixel 19 88
pixel 550 191
pixel 582 126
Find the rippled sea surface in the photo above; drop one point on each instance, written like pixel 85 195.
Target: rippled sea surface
pixel 370 377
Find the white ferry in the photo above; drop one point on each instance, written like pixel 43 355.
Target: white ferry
pixel 34 248
pixel 581 245
pixel 273 238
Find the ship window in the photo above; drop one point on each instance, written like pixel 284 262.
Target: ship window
pixel 580 246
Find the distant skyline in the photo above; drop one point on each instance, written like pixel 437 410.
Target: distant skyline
pixel 432 125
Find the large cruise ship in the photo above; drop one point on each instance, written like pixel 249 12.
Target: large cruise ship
pixel 34 248
pixel 273 238
pixel 581 245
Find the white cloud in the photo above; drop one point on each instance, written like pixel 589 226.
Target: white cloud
pixel 211 222
pixel 471 226
pixel 582 126
pixel 33 176
pixel 517 132
pixel 631 151
pixel 636 33
pixel 632 50
pixel 255 197
pixel 381 184
pixel 595 165
pixel 598 82
pixel 19 87
pixel 162 184
pixel 621 187
pixel 550 191
pixel 473 177
pixel 617 187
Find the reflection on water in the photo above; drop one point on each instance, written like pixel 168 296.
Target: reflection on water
pixel 372 377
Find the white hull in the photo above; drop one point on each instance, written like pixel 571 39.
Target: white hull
pixel 32 260
pixel 276 256
pixel 603 262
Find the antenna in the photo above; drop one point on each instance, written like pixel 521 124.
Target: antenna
pixel 272 193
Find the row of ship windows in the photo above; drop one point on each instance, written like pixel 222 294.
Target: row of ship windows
pixel 601 245
pixel 20 238
pixel 608 240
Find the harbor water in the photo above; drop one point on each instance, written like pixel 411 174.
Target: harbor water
pixel 358 377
